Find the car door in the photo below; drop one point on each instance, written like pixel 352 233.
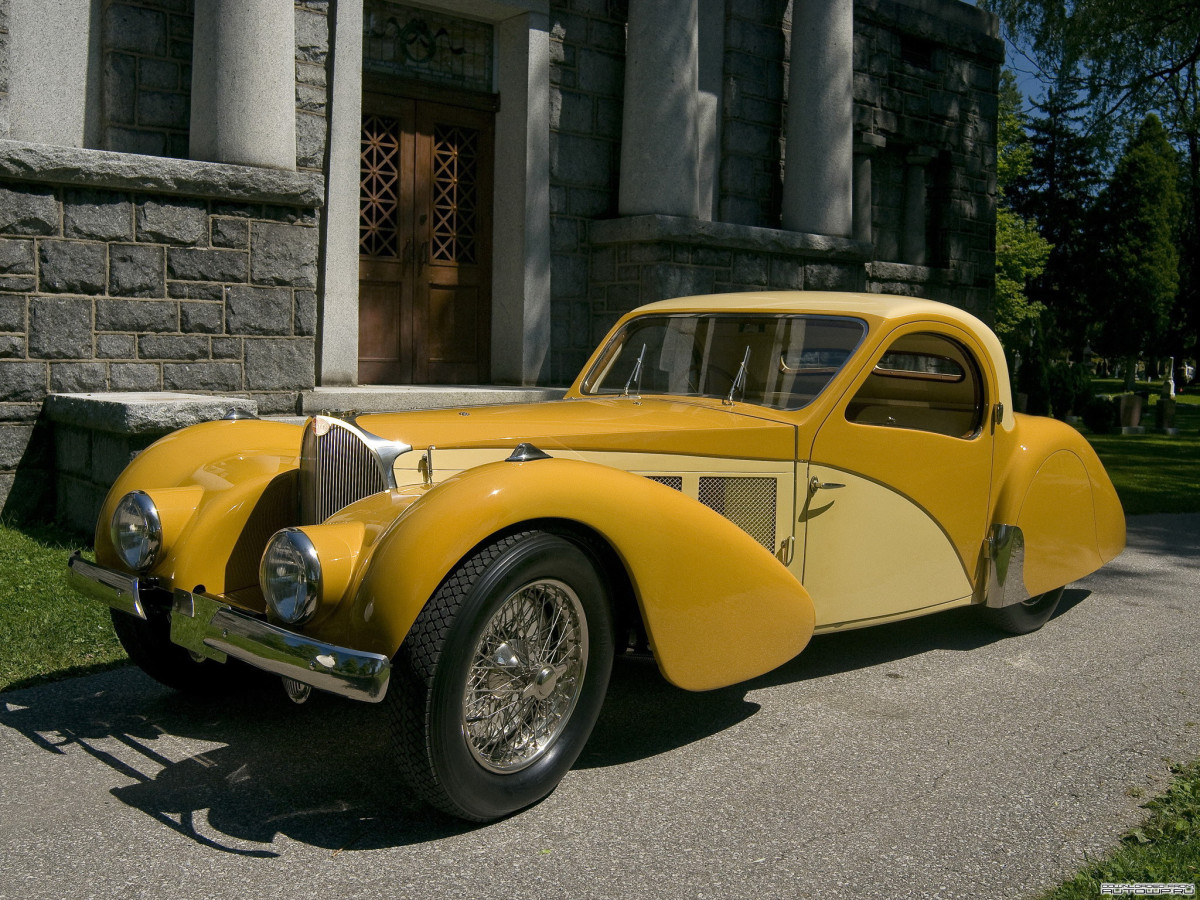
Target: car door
pixel 900 480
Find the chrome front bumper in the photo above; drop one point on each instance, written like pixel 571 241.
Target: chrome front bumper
pixel 209 627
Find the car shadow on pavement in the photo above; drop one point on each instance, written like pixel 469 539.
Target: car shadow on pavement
pixel 644 716
pixel 235 774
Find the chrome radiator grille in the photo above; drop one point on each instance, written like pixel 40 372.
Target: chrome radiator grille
pixel 339 464
pixel 747 502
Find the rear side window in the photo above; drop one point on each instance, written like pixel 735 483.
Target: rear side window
pixel 926 382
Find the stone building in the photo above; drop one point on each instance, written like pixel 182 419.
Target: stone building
pixel 340 204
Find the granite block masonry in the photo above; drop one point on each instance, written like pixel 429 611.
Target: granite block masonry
pixel 109 284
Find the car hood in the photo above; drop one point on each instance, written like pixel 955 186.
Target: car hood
pixel 609 424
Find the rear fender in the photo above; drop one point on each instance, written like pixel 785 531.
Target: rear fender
pixel 1057 492
pixel 717 606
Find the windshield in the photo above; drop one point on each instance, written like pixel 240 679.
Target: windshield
pixel 779 361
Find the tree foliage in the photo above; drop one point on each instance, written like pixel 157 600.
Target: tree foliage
pixel 1021 251
pixel 1117 62
pixel 1057 190
pixel 1136 228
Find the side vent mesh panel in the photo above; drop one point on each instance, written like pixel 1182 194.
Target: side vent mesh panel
pixel 748 503
pixel 336 469
pixel 674 482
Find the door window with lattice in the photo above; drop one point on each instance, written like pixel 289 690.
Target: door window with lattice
pixel 379 195
pixel 455 193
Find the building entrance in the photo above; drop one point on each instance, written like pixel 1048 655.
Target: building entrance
pixel 425 242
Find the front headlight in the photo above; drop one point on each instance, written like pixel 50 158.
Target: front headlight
pixel 290 576
pixel 136 531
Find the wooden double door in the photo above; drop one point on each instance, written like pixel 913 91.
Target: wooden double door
pixel 425 242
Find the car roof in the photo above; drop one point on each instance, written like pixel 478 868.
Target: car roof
pixel 885 306
pixel 882 307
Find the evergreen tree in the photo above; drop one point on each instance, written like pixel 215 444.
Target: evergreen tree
pixel 1058 191
pixel 1021 251
pixel 1136 226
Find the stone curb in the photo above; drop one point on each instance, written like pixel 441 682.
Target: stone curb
pixel 155 412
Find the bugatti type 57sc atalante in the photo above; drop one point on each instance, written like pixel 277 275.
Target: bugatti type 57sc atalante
pixel 727 476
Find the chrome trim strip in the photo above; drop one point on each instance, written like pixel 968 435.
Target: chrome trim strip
pixel 1004 551
pixel 215 628
pixel 118 589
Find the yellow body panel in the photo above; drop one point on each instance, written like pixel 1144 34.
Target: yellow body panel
pixel 696 427
pixel 1054 488
pixel 244 478
pixel 718 607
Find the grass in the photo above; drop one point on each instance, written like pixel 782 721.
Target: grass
pixel 1154 473
pixel 1164 849
pixel 46 629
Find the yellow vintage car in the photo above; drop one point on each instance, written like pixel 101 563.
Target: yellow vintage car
pixel 728 476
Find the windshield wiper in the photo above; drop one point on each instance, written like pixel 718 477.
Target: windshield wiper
pixel 739 380
pixel 635 377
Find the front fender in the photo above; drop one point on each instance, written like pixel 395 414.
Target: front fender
pixel 239 480
pixel 717 606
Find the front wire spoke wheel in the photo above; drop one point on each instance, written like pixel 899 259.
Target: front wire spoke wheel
pixel 500 679
pixel 525 676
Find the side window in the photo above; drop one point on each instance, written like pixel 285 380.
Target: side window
pixel 926 382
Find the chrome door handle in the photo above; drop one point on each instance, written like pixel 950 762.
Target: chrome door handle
pixel 814 485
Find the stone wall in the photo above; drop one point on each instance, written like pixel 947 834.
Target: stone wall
pixel 121 275
pixel 4 53
pixel 312 96
pixel 752 112
pixel 926 81
pixel 147 75
pixel 587 84
pixel 925 86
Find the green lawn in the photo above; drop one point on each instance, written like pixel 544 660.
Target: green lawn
pixel 1164 849
pixel 1155 473
pixel 46 629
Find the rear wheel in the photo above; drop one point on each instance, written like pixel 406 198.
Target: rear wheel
pixel 497 687
pixel 1022 618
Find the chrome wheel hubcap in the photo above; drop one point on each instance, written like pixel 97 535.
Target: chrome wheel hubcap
pixel 525 676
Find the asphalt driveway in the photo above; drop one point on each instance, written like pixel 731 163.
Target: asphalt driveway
pixel 931 758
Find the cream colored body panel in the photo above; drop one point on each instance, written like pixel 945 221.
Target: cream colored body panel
pixel 871 553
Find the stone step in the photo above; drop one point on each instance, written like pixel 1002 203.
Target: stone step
pixel 393 398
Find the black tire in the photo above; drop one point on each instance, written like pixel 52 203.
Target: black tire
pixel 1022 618
pixel 148 643
pixel 440 724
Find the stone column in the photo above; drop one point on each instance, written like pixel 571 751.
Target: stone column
pixel 244 83
pixel 337 361
pixel 913 237
pixel 521 274
pixel 659 132
pixel 54 72
pixel 818 173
